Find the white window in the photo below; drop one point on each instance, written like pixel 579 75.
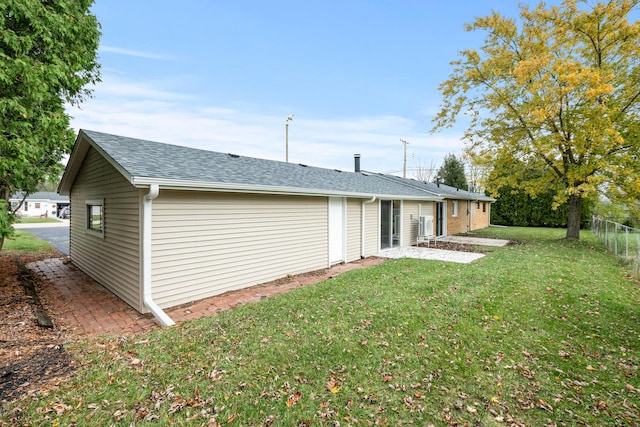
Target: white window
pixel 454 210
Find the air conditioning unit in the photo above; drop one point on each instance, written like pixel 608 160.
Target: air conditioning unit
pixel 425 226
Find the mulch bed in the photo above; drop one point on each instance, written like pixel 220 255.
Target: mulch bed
pixel 32 358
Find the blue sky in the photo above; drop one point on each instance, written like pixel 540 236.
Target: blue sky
pixel 224 75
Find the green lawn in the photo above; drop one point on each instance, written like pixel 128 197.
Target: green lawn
pixel 24 242
pixel 36 220
pixel 546 332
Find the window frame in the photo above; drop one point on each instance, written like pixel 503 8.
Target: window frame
pixel 89 223
pixel 454 208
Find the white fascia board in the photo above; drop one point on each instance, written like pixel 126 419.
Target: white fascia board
pixel 144 182
pixel 76 159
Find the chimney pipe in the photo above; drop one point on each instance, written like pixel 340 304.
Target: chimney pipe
pixel 356 160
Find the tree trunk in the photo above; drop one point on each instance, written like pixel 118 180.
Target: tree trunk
pixel 575 213
pixel 1 242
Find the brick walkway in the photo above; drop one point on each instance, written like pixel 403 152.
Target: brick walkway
pixel 78 304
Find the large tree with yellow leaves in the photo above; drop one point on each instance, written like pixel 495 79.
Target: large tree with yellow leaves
pixel 554 101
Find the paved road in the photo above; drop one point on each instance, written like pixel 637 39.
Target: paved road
pixel 56 233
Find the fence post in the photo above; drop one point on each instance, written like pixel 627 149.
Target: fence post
pixel 631 255
pixel 626 238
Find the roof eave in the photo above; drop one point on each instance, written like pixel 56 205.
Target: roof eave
pixel 174 184
pixel 76 159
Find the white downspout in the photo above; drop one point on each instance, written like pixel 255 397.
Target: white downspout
pixel 147 207
pixel 362 228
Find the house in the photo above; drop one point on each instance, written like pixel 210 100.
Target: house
pixel 38 204
pixel 460 211
pixel 162 225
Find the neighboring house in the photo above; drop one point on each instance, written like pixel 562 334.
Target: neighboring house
pixel 460 211
pixel 162 225
pixel 39 204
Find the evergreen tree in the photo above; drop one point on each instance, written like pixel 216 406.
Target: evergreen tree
pixel 452 172
pixel 47 58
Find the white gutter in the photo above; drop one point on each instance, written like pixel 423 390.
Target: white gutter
pixel 147 207
pixel 362 219
pixel 172 184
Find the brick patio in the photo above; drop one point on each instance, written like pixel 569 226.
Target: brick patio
pixel 81 306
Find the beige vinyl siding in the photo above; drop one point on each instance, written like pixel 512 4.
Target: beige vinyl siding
pixel 205 244
pixel 114 258
pixel 409 222
pixel 428 209
pixel 371 228
pixel 354 229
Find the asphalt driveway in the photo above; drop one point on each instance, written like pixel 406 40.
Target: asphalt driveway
pixel 56 233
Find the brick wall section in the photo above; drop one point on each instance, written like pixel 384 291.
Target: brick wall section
pixel 481 212
pixel 460 223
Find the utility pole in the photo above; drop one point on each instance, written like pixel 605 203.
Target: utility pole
pixel 286 136
pixel 404 168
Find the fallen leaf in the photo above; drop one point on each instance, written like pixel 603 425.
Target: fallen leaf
pixel 471 410
pixel 332 386
pixel 61 408
pixel 216 375
pixel 293 399
pixel 590 368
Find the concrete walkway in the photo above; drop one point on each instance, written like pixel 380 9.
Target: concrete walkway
pixel 436 254
pixel 78 304
pixel 430 253
pixel 476 241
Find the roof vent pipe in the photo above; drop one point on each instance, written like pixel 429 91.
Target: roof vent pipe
pixel 356 161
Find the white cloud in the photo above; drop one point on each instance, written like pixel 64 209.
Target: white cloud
pixel 135 53
pixel 147 110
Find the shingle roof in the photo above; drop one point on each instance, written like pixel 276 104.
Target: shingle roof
pixel 442 190
pixel 42 195
pixel 143 162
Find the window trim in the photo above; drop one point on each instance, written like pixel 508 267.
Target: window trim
pixel 454 208
pixel 89 204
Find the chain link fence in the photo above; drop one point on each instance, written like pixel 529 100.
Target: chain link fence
pixel 620 239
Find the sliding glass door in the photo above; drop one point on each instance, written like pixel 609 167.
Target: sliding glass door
pixel 389 223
